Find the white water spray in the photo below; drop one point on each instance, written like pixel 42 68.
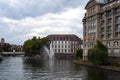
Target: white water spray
pixel 49 51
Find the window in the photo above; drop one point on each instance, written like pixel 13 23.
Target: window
pixel 108 44
pixel 58 50
pixel 55 46
pixel 116 51
pixel 109 29
pixel 117 11
pixel 62 46
pixel 58 46
pixel 102 23
pixel 72 50
pixel 102 36
pixel 117 34
pixel 109 13
pixel 109 35
pixel 117 28
pixel 102 16
pixel 109 21
pixel 65 50
pixel 69 46
pixel 115 43
pixel 117 19
pixel 102 30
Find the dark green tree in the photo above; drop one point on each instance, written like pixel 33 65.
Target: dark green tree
pixel 6 47
pixel 78 54
pixel 35 45
pixel 98 55
pixel 1 50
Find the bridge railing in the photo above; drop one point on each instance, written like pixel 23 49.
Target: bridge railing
pixel 13 53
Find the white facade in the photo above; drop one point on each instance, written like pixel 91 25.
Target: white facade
pixel 64 44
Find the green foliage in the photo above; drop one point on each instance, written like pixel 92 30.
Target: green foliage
pixel 78 54
pixel 17 49
pixel 1 50
pixel 6 47
pixel 35 45
pixel 98 55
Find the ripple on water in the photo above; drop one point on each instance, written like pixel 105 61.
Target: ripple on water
pixel 17 68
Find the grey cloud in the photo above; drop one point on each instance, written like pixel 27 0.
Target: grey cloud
pixel 33 8
pixel 23 19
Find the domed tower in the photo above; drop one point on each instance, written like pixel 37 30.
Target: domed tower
pixel 2 40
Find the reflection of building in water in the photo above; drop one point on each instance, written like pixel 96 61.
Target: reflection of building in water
pixel 102 22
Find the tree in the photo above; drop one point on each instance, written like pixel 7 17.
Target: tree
pixel 1 50
pixel 98 55
pixel 6 47
pixel 78 54
pixel 27 46
pixel 35 45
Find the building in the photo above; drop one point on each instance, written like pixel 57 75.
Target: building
pixel 64 44
pixel 2 41
pixel 102 22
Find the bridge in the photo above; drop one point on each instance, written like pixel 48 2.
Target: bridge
pixel 13 53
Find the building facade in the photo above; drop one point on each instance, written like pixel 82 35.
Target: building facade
pixel 102 22
pixel 64 43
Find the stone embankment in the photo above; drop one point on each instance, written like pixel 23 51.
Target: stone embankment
pixel 105 67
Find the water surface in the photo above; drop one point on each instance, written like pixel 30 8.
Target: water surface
pixel 19 68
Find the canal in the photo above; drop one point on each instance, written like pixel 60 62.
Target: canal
pixel 19 68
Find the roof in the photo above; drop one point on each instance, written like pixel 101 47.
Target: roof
pixel 61 35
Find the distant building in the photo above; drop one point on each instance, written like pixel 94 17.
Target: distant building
pixel 2 41
pixel 17 48
pixel 102 22
pixel 64 43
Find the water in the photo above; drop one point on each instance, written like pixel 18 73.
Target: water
pixel 18 68
pixel 49 52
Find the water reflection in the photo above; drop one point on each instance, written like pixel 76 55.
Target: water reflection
pixel 100 74
pixel 96 74
pixel 20 68
pixel 55 69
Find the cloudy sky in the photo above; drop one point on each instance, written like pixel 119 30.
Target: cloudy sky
pixel 23 19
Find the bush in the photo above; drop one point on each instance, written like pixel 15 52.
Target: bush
pixel 78 54
pixel 98 55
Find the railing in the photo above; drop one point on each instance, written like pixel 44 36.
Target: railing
pixel 13 53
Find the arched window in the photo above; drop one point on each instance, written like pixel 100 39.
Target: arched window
pixel 108 44
pixel 116 43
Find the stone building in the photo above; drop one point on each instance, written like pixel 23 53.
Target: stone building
pixel 102 22
pixel 2 41
pixel 64 44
